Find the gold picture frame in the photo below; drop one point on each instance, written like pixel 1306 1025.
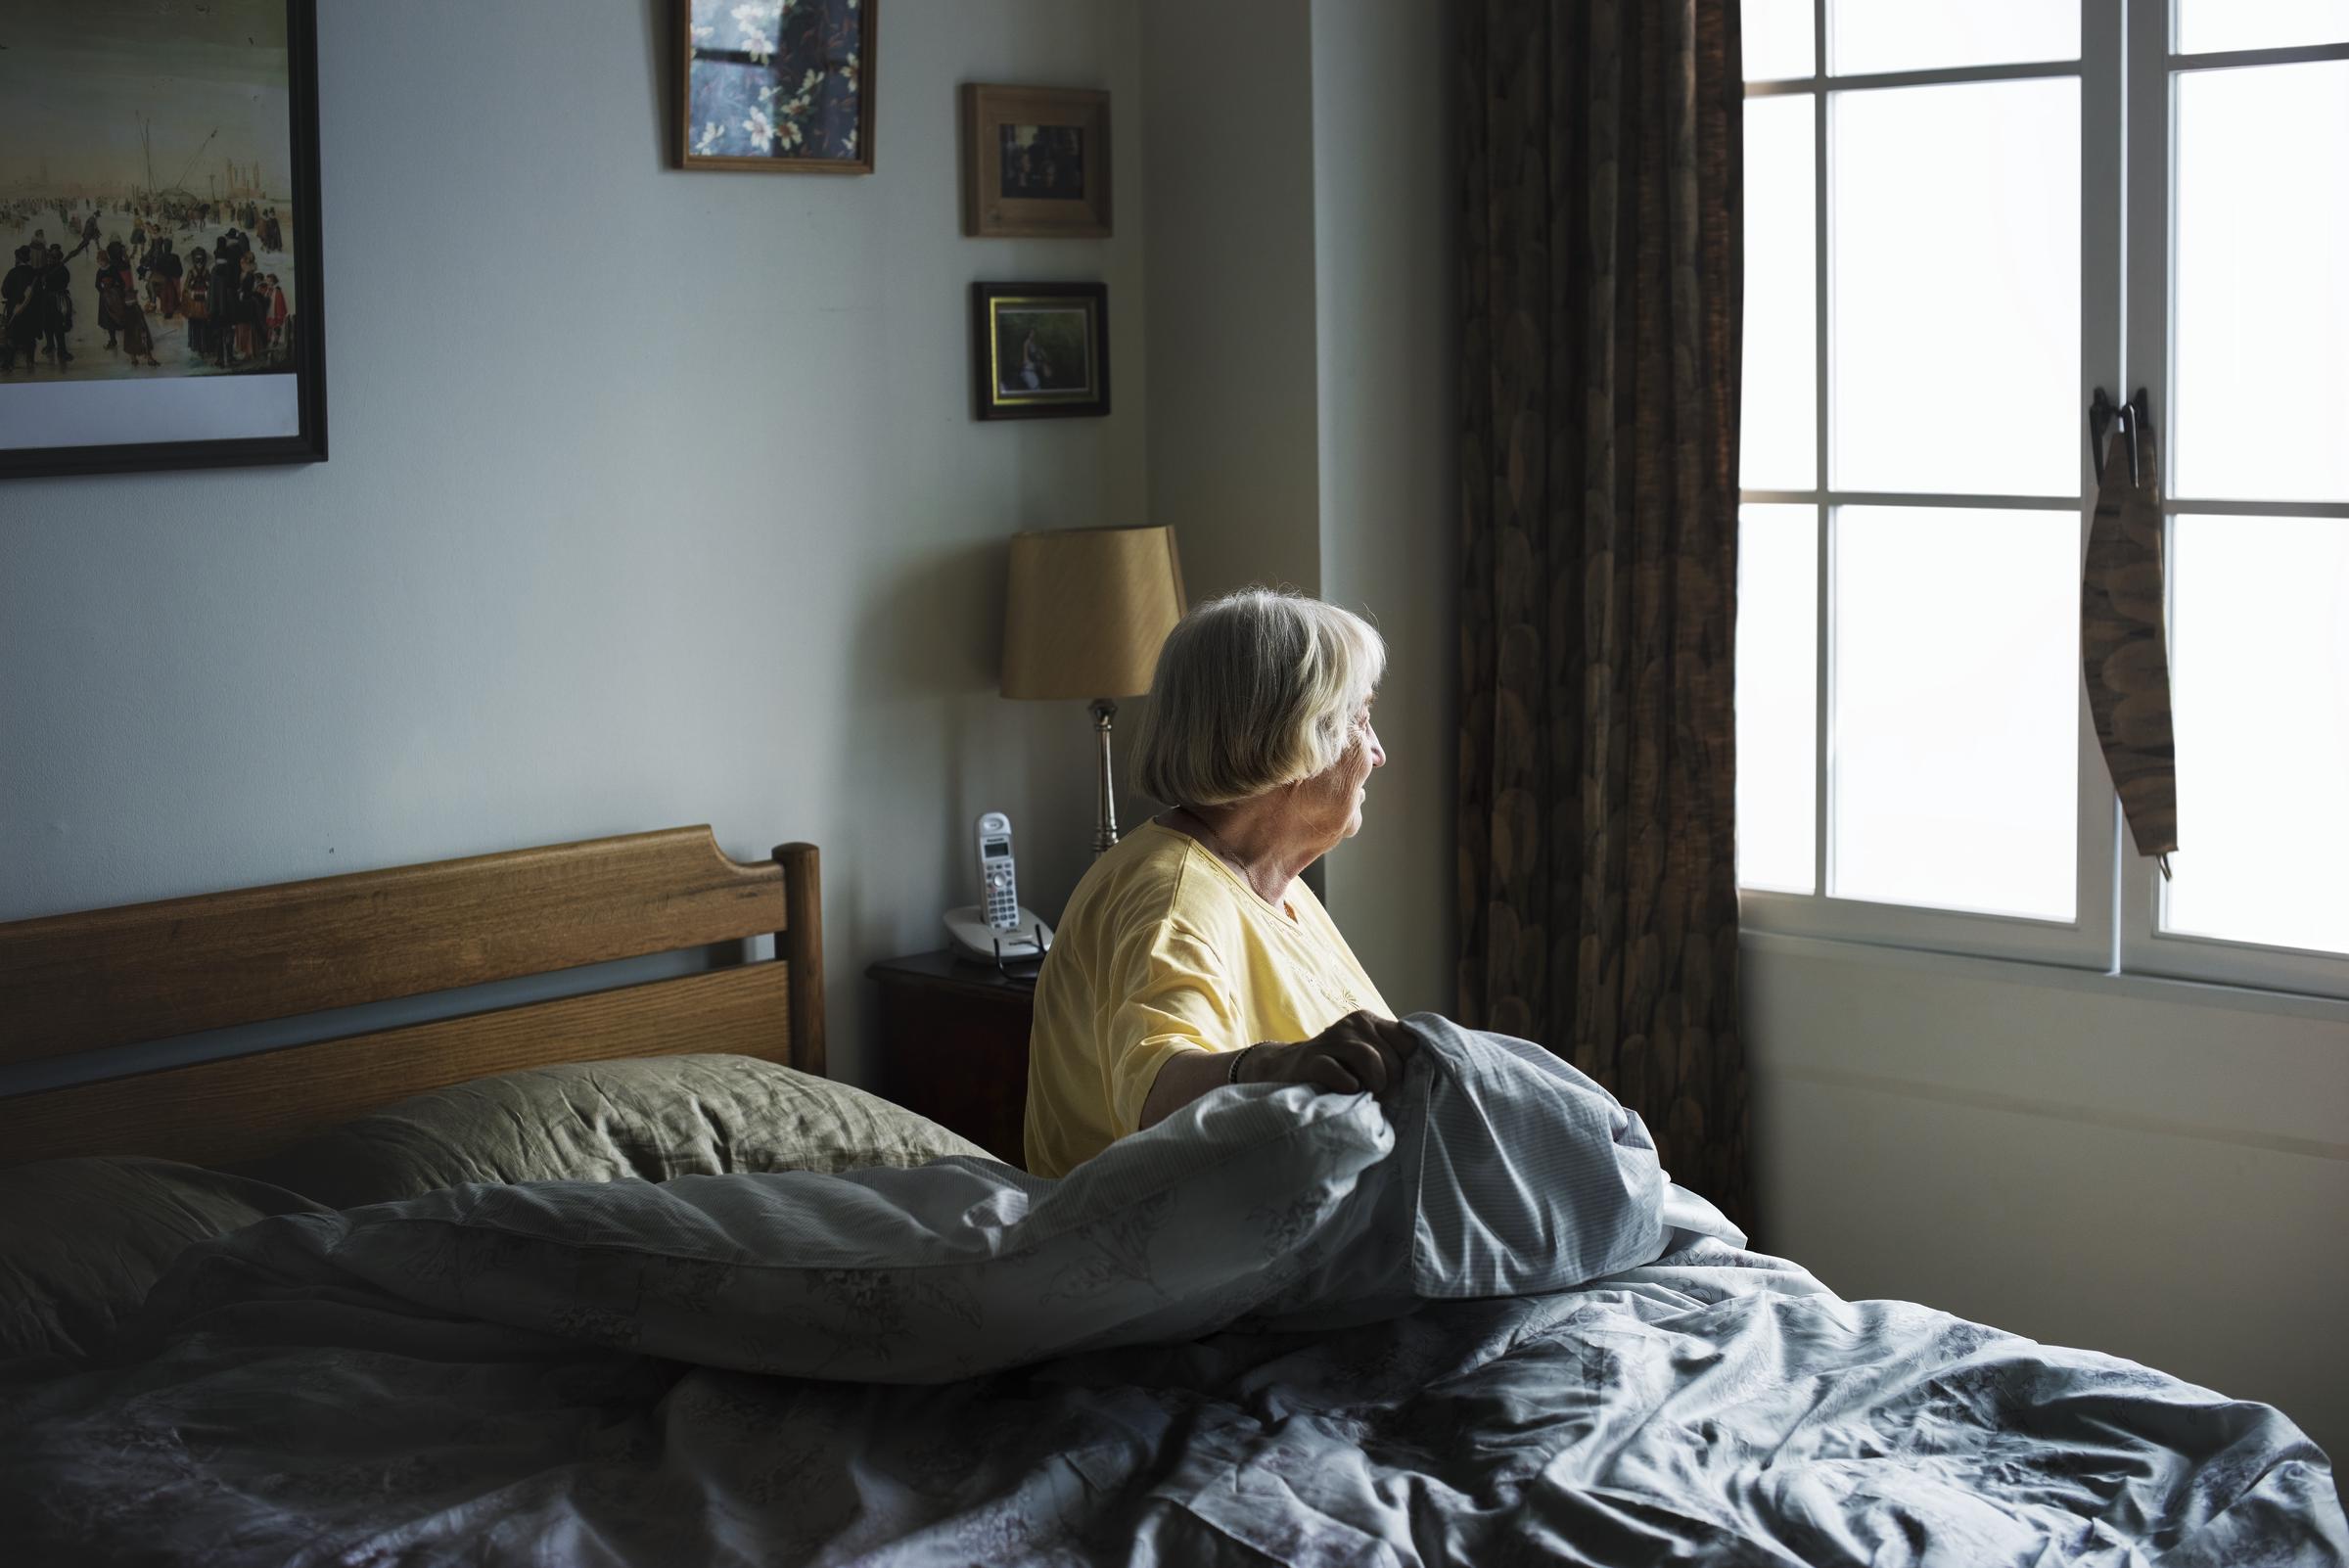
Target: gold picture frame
pixel 1035 162
pixel 1039 351
pixel 775 86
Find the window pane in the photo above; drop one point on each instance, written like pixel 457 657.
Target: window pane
pixel 1776 38
pixel 2260 701
pixel 2262 295
pixel 1956 709
pixel 1777 697
pixel 1956 247
pixel 1871 35
pixel 1780 440
pixel 2207 25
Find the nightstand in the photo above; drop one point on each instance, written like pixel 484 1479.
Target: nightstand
pixel 955 1047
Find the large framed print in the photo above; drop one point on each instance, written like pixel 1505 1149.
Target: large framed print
pixel 161 304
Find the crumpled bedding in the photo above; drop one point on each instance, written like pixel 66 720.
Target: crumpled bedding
pixel 1713 1405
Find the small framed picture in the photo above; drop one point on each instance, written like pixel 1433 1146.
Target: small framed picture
pixel 1042 349
pixel 1036 162
pixel 777 86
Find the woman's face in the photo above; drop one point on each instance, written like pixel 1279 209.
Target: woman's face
pixel 1330 802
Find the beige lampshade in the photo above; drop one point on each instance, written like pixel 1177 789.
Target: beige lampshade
pixel 1087 611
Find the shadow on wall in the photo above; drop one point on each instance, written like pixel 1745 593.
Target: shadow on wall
pixel 920 665
pixel 661 66
pixel 932 743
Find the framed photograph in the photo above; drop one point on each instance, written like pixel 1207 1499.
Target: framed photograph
pixel 779 86
pixel 161 298
pixel 1041 349
pixel 1036 162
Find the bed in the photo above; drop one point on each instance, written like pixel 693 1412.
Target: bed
pixel 622 1277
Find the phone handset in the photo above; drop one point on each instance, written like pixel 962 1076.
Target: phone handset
pixel 997 929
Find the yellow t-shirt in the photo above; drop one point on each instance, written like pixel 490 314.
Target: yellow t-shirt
pixel 1165 948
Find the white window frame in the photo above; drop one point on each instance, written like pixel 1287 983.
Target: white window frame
pixel 2084 941
pixel 2155 68
pixel 2126 89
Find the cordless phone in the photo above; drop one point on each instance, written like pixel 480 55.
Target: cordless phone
pixel 996 930
pixel 998 881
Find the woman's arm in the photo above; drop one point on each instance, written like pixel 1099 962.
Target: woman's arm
pixel 1361 1051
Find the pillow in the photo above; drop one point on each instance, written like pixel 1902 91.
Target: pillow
pixel 961 1268
pixel 81 1240
pixel 655 1118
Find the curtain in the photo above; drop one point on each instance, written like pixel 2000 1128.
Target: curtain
pixel 2124 637
pixel 1601 271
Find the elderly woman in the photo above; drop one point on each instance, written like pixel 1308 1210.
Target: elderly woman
pixel 1191 956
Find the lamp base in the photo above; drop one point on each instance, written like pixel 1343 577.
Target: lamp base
pixel 1105 828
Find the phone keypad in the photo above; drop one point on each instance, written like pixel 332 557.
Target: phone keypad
pixel 1002 900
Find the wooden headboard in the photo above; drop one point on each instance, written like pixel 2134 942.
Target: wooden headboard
pixel 106 978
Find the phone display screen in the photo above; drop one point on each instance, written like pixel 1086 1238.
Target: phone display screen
pixel 990 848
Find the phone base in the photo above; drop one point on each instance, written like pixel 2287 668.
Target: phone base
pixel 974 939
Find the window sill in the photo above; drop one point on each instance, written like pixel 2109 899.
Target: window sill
pixel 2054 975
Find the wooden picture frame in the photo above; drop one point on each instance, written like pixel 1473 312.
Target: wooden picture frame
pixel 1035 162
pixel 797 101
pixel 1040 350
pixel 166 362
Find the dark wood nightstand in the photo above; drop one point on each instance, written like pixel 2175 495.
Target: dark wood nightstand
pixel 955 1047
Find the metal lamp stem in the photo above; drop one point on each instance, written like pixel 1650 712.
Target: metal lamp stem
pixel 1105 830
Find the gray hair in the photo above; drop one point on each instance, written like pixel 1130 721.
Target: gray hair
pixel 1253 691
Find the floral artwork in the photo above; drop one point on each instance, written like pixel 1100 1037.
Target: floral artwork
pixel 778 83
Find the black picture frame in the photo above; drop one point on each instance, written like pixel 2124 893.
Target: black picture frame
pixel 1039 351
pixel 305 358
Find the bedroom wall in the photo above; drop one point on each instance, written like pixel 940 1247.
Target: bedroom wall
pixel 1228 157
pixel 1386 199
pixel 2147 1168
pixel 655 499
pixel 1301 426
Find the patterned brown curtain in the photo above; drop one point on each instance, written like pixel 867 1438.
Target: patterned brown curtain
pixel 1602 267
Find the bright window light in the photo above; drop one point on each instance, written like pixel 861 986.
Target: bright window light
pixel 1955 248
pixel 2260 703
pixel 1779 442
pixel 2262 292
pixel 1777 697
pixel 1956 735
pixel 1874 35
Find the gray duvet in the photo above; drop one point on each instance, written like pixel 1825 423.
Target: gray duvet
pixel 1255 1334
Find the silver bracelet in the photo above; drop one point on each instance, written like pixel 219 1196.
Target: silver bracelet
pixel 1233 1075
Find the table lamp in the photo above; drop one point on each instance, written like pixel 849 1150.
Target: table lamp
pixel 1084 618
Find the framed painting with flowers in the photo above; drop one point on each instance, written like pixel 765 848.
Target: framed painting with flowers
pixel 784 86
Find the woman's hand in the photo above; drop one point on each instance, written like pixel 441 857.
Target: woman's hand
pixel 1362 1052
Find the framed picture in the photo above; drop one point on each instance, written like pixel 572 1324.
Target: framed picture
pixel 1041 349
pixel 781 86
pixel 162 160
pixel 1036 161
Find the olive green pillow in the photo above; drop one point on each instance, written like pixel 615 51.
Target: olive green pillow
pixel 652 1118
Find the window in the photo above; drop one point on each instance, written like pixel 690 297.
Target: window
pixel 1961 220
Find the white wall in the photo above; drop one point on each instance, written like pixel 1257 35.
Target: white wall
pixel 1228 161
pixel 1303 333
pixel 655 498
pixel 2146 1168
pixel 1386 200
